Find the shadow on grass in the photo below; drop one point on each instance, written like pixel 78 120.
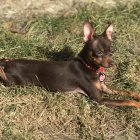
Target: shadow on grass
pixel 65 54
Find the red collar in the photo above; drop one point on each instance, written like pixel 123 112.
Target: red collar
pixel 100 70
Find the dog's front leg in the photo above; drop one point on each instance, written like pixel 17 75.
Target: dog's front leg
pixel 105 89
pixel 94 91
pixel 109 102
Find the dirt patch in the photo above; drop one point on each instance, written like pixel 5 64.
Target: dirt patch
pixel 20 9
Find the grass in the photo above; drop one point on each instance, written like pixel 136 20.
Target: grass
pixel 32 113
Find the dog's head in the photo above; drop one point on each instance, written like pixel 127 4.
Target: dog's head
pixel 97 50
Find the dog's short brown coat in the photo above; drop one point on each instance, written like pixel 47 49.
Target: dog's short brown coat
pixel 78 75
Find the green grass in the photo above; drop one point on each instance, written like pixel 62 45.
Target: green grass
pixel 32 113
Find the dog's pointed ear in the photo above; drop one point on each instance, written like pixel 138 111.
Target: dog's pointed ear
pixel 109 31
pixel 88 31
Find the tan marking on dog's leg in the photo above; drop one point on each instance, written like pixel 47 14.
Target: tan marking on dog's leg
pixel 109 102
pixel 122 92
pixel 98 85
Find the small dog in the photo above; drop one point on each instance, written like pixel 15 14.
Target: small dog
pixel 83 74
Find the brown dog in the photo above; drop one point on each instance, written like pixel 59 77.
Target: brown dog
pixel 83 74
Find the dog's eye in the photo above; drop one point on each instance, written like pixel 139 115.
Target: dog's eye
pixel 99 53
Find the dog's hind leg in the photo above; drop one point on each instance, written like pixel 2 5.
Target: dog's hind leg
pixel 2 74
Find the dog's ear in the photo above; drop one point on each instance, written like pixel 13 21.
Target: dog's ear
pixel 109 31
pixel 88 31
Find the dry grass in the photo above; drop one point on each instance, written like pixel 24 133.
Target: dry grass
pixel 32 113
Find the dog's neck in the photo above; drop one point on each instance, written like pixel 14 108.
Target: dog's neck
pixel 97 69
pixel 83 57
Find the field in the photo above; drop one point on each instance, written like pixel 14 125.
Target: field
pixel 32 113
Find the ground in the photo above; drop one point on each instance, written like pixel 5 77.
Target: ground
pixel 23 9
pixel 32 113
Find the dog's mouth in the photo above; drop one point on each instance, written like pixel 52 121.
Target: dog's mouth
pixel 108 65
